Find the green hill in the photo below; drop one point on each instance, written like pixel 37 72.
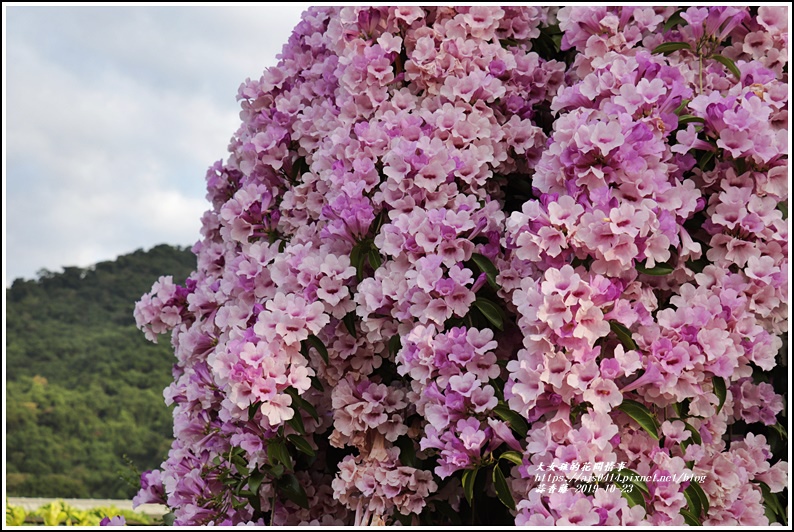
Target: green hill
pixel 83 385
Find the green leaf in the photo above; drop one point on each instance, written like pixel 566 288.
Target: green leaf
pixel 507 43
pixel 350 323
pixel 514 419
pixel 682 408
pixel 277 453
pixel 632 494
pixel 690 519
pixel 502 489
pixel 168 519
pixel 319 346
pixel 623 334
pixel 228 478
pixel 729 64
pixel 377 224
pixel 658 270
pixel 395 344
pixel 316 384
pixel 770 515
pixel 300 402
pixel 640 413
pixel 704 500
pixel 252 408
pixel 289 487
pixel 498 384
pixel 469 476
pixel 491 311
pixel 255 501
pixel 276 471
pixel 255 480
pixel 741 165
pixel 670 47
pixel 783 208
pixel 374 258
pixel 686 119
pixel 301 444
pixel 485 265
pixel 305 350
pixel 239 462
pixel 696 439
pixel 357 256
pixel 238 489
pixel 237 451
pixel 296 422
pixel 299 167
pixel 692 501
pixel 407 451
pixel 772 502
pixel 675 20
pixel 719 390
pixel 682 106
pixel 705 159
pixel 512 456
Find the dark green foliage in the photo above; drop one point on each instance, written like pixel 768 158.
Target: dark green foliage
pixel 83 386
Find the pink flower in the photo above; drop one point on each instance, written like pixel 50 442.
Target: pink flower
pixel 590 323
pixel 580 514
pixel 629 360
pixel 118 520
pixel 299 378
pixel 606 136
pixel 603 395
pixel 675 431
pixel 775 477
pixel 483 399
pixel 736 142
pixel 555 312
pixel 277 409
pixel 471 436
pixel 565 211
pixel 464 384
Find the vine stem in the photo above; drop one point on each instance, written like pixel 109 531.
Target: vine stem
pixel 700 72
pixel 365 521
pixel 357 519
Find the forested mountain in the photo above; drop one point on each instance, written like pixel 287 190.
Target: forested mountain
pixel 84 387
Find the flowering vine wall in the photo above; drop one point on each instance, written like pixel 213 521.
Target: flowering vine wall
pixel 491 265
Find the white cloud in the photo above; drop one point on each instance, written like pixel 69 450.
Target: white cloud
pixel 113 116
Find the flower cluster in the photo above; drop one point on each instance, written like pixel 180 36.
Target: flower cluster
pixel 562 317
pixel 363 408
pixel 451 245
pixel 450 374
pixel 379 485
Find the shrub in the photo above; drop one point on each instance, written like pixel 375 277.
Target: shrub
pixel 530 254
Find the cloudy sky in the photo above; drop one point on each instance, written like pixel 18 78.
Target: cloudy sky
pixel 112 116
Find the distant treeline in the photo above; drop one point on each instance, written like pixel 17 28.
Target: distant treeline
pixel 84 400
